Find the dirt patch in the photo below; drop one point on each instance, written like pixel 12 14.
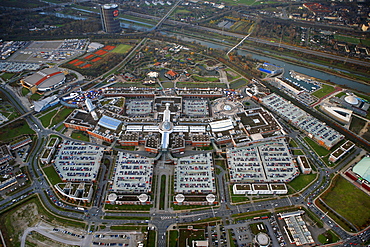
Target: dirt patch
pixel 37 239
pixel 17 221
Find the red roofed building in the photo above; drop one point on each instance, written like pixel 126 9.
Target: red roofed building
pixel 171 75
pixel 44 80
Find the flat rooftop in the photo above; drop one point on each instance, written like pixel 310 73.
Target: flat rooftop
pixel 261 162
pixel 321 133
pixel 194 174
pixel 78 162
pixel 132 174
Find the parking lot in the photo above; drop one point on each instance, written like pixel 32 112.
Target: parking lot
pixel 49 51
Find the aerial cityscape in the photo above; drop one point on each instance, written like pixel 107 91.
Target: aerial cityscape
pixel 184 123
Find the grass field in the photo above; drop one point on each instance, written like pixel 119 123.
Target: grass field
pixel 122 49
pixel 302 181
pixel 357 124
pixel 187 236
pixel 80 135
pixel 29 212
pixel 25 91
pixel 325 89
pixel 128 207
pixel 352 40
pixel 15 129
pixel 349 201
pixel 247 2
pixel 52 175
pixel 338 95
pixel 61 116
pixel 174 237
pixel 45 120
pixel 205 79
pixel 238 83
pixel 162 192
pixel 328 237
pixel 320 150
pixel 200 85
pixel 297 152
pixel 7 76
pixel 123 227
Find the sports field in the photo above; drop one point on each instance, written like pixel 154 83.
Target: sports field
pixel 122 49
pixel 349 201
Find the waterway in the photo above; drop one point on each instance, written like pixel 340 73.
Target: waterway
pixel 288 66
pixel 64 16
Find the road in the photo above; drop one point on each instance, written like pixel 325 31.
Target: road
pixel 258 40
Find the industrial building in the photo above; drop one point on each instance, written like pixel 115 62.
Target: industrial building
pixel 109 17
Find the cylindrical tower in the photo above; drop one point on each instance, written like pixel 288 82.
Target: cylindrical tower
pixel 109 18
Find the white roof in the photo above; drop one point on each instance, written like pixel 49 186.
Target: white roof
pixel 39 105
pixel 151 128
pixel 351 100
pixel 181 129
pixel 134 128
pixel 197 128
pixel 222 125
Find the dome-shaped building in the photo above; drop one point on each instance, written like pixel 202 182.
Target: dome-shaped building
pixel 351 100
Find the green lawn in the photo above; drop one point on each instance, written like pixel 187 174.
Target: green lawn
pixel 25 91
pixel 128 207
pixel 357 124
pixel 15 129
pixel 325 90
pixel 352 40
pixel 7 76
pixel 320 150
pixel 298 152
pixel 122 49
pixel 247 2
pixel 45 120
pixel 328 237
pixel 302 181
pixel 292 143
pixel 349 201
pixel 174 237
pixel 255 230
pixel 52 175
pixel 35 96
pixel 238 83
pixel 338 95
pixel 200 85
pixel 80 135
pixel 204 79
pixel 125 228
pixel 181 11
pixel 61 116
pixel 187 236
pixel 151 240
pixel 162 192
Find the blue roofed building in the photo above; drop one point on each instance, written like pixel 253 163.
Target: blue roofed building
pixel 109 122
